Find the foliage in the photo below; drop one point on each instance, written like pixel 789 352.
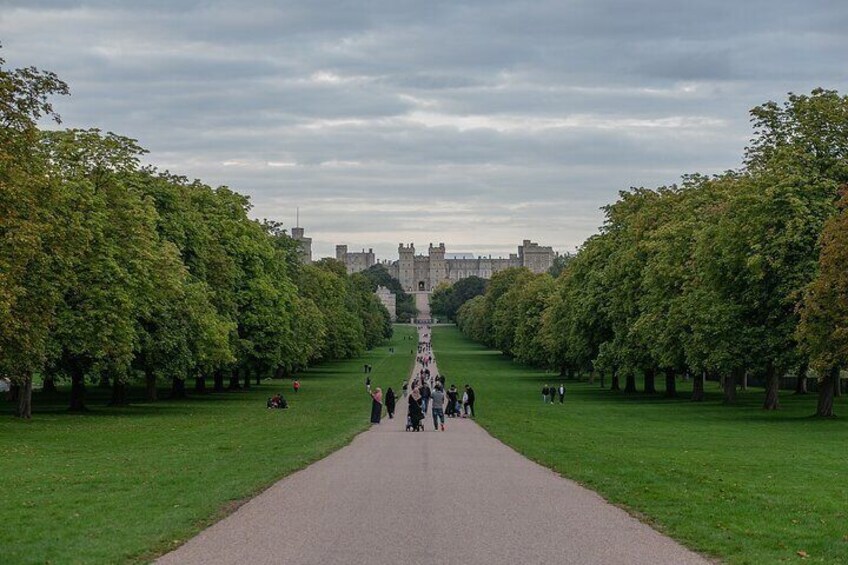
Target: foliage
pixel 447 299
pixel 707 277
pixel 110 270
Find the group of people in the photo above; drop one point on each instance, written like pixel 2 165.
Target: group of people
pixel 425 392
pixel 277 401
pixel 549 394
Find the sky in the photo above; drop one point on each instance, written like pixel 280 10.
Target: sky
pixel 474 123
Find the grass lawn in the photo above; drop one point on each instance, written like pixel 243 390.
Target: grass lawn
pixel 733 482
pixel 126 484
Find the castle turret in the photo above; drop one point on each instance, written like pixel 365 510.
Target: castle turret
pixel 341 252
pixel 305 244
pixel 438 266
pixel 406 266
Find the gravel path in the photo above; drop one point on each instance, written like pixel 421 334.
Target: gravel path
pixel 459 496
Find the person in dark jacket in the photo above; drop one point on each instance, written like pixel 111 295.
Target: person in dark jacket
pixel 553 394
pixel 390 402
pixel 425 397
pixel 545 392
pixel 470 392
pixel 415 415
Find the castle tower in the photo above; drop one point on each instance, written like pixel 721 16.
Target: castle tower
pixel 305 244
pixel 406 267
pixel 341 252
pixel 438 266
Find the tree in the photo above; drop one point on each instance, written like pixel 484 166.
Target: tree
pixel 823 330
pixel 447 299
pixel 32 250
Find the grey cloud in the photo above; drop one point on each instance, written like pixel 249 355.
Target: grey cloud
pixel 512 119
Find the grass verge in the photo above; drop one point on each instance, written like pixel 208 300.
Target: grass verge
pixel 734 482
pixel 126 484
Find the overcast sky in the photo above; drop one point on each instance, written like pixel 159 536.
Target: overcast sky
pixel 474 123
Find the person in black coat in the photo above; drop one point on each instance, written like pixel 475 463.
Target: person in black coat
pixel 470 392
pixel 415 415
pixel 390 402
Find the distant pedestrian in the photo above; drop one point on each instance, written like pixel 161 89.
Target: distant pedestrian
pixel 545 392
pixel 425 397
pixel 553 394
pixel 368 384
pixel 390 403
pixel 405 388
pixel 376 406
pixel 296 385
pixel 438 398
pixel 471 399
pixel 561 393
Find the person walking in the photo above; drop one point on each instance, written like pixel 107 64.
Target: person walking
pixel 451 410
pixel 438 409
pixel 553 394
pixel 405 388
pixel 545 392
pixel 390 403
pixel 368 383
pixel 376 406
pixel 471 399
pixel 425 397
pixel 296 385
pixel 561 393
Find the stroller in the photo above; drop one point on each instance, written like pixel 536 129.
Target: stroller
pixel 414 417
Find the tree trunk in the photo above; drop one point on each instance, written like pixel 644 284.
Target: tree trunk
pixel 649 380
pixel 698 387
pixel 801 381
pixel 200 384
pixel 602 379
pixel 745 380
pixel 234 380
pixel 246 379
pixel 24 407
pixel 178 388
pixel 730 385
pixel 258 378
pixel 103 381
pixel 616 384
pixel 772 400
pixel 219 381
pixel 77 391
pixel 119 393
pixel 48 386
pixel 825 404
pixel 837 384
pixel 150 386
pixel 630 382
pixel 670 383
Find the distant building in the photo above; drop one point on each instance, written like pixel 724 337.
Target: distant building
pixel 355 262
pixel 305 245
pixel 423 273
pixel 389 300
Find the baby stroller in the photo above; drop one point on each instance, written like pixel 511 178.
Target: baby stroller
pixel 414 418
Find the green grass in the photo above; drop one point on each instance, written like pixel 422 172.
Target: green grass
pixel 125 484
pixel 733 482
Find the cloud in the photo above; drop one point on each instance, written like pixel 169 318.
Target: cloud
pixel 474 122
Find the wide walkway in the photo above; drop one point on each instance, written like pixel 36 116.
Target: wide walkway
pixel 458 496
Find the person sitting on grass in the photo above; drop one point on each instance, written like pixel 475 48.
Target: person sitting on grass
pixel 277 401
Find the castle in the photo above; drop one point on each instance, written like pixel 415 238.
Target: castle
pixel 423 273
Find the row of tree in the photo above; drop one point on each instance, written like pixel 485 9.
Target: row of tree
pixel 742 273
pixel 114 271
